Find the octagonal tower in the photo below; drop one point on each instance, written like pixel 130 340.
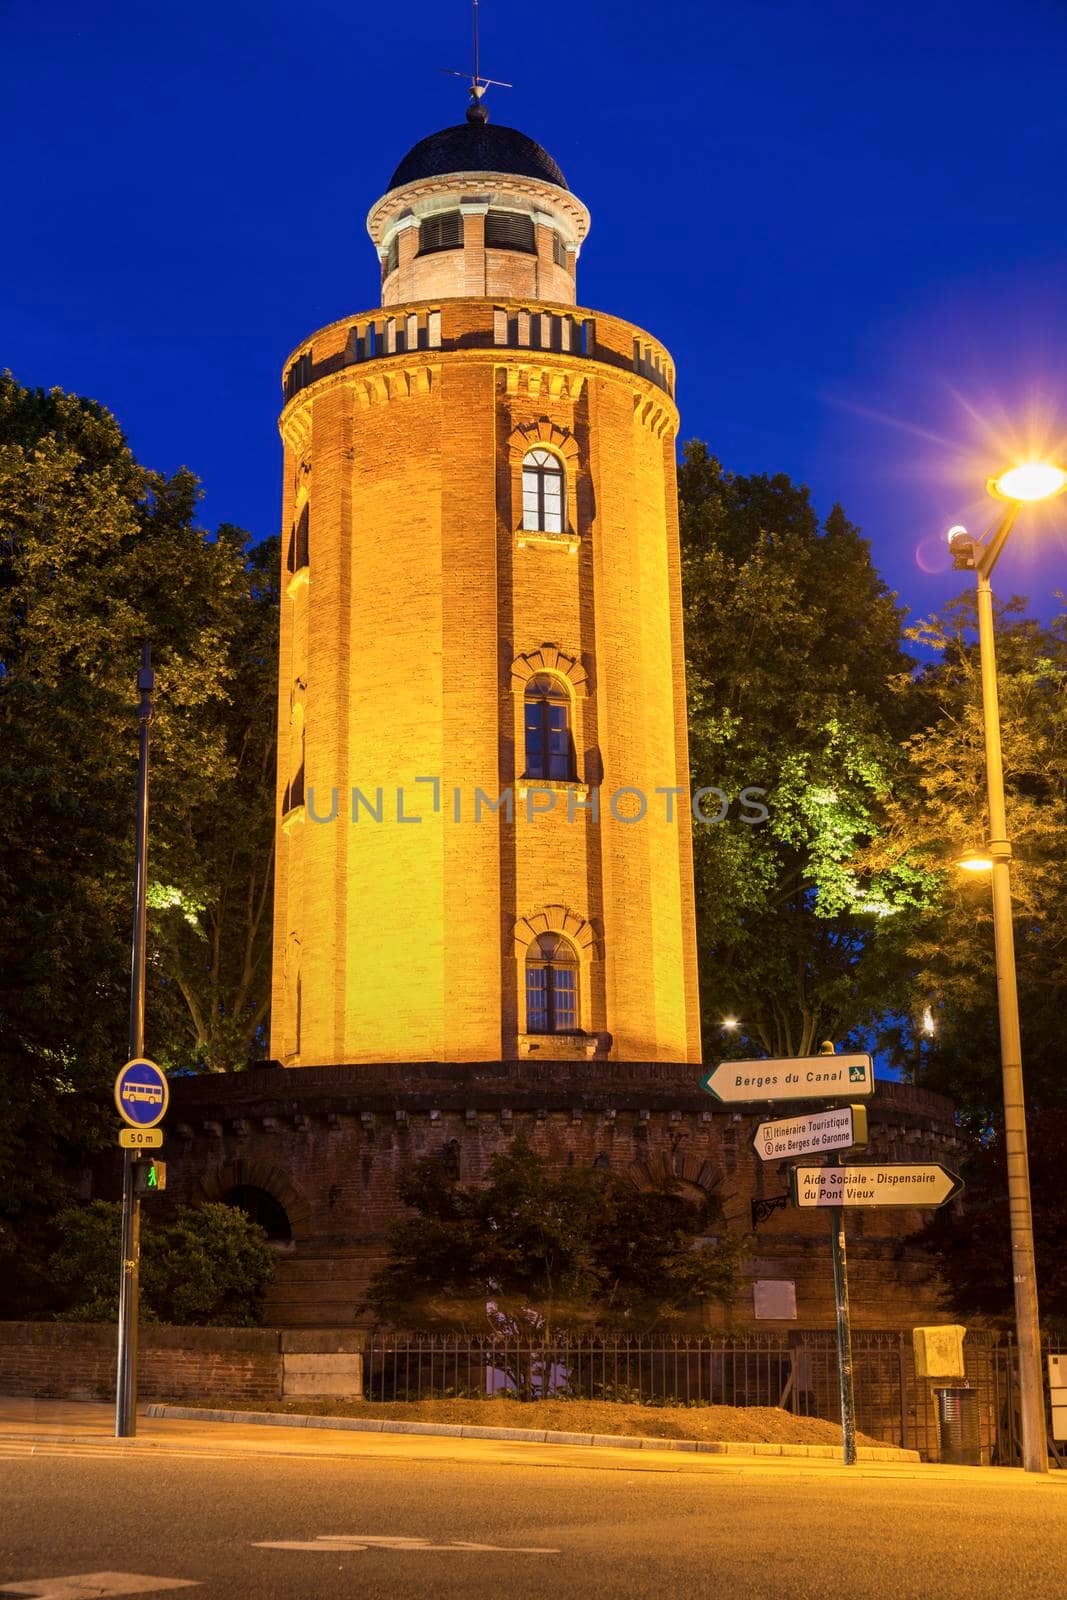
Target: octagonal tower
pixel 481 697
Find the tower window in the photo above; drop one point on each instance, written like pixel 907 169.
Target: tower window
pixel 510 230
pixel 298 541
pixel 392 256
pixel 441 232
pixel 543 497
pixel 559 251
pixel 549 746
pixel 551 986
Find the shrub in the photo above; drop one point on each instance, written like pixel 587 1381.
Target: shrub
pixel 207 1266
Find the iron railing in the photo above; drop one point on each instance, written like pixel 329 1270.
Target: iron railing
pixel 795 1370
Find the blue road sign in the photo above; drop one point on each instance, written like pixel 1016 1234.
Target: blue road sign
pixel 142 1094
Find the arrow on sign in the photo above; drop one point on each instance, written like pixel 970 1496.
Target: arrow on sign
pixel 793 1078
pixel 844 1128
pixel 924 1184
pixel 96 1586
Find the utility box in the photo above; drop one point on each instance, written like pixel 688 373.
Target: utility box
pixel 959 1427
pixel 1057 1385
pixel 939 1351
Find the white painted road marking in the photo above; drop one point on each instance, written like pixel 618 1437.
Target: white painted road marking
pixel 94 1586
pixel 385 1541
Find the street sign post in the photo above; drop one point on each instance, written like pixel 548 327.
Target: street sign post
pixel 843 1128
pixel 922 1184
pixel 792 1078
pixel 140 1138
pixel 843 1323
pixel 142 1093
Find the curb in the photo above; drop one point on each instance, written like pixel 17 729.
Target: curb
pixel 456 1430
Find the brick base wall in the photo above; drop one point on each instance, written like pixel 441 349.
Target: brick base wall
pixel 331 1144
pixel 76 1361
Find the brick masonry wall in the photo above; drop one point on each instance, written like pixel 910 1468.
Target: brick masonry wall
pixel 330 1144
pixel 76 1361
pixel 394 938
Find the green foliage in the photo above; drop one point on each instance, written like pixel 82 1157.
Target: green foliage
pixel 211 929
pixel 204 1267
pixel 973 1244
pixel 97 554
pixel 532 1246
pixel 793 649
pixel 938 810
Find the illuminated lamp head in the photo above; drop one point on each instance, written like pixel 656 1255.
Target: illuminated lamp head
pixel 1029 482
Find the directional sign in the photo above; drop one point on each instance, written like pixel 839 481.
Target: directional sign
pixel 141 1138
pixel 920 1184
pixel 142 1093
pixel 843 1128
pixel 794 1078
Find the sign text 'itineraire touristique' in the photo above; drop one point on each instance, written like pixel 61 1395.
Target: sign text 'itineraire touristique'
pixel 844 1128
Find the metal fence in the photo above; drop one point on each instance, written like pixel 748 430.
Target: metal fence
pixel 795 1370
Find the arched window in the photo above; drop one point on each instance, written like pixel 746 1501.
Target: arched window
pixel 551 986
pixel 298 540
pixel 294 794
pixel 549 746
pixel 543 492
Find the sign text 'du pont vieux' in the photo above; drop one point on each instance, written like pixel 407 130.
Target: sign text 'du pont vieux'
pixel 905 1184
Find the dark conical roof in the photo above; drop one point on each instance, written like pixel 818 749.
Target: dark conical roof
pixel 477 146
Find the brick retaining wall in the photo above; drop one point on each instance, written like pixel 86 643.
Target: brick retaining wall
pixel 76 1361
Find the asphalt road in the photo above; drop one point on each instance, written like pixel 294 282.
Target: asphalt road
pixel 563 1526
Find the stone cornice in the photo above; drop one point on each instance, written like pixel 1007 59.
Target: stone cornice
pixel 401 376
pixel 429 194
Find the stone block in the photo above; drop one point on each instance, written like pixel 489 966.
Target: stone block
pixel 307 1374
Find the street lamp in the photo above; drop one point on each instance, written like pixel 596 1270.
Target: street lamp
pixel 1027 483
pixel 975 861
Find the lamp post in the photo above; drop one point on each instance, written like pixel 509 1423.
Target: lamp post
pixel 1031 482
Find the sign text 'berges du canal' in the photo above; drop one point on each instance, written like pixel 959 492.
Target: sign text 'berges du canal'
pixel 925 1183
pixel 792 1078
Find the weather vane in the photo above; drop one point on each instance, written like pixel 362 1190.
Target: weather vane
pixel 478 85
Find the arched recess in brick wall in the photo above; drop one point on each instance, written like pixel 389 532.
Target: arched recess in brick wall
pixel 549 658
pixel 688 1176
pixel 545 434
pixel 251 1174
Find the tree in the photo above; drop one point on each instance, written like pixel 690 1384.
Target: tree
pixel 938 810
pixel 537 1247
pixel 208 1266
pixel 98 553
pixel 973 1245
pixel 210 920
pixel 793 650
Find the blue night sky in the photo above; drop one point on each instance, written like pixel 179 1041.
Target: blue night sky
pixel 844 219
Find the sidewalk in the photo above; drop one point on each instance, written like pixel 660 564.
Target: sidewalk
pixel 456 1430
pixel 61 1427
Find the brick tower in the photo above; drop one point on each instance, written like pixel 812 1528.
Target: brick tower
pixel 481 697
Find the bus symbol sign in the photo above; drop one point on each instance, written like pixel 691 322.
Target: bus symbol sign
pixel 142 1094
